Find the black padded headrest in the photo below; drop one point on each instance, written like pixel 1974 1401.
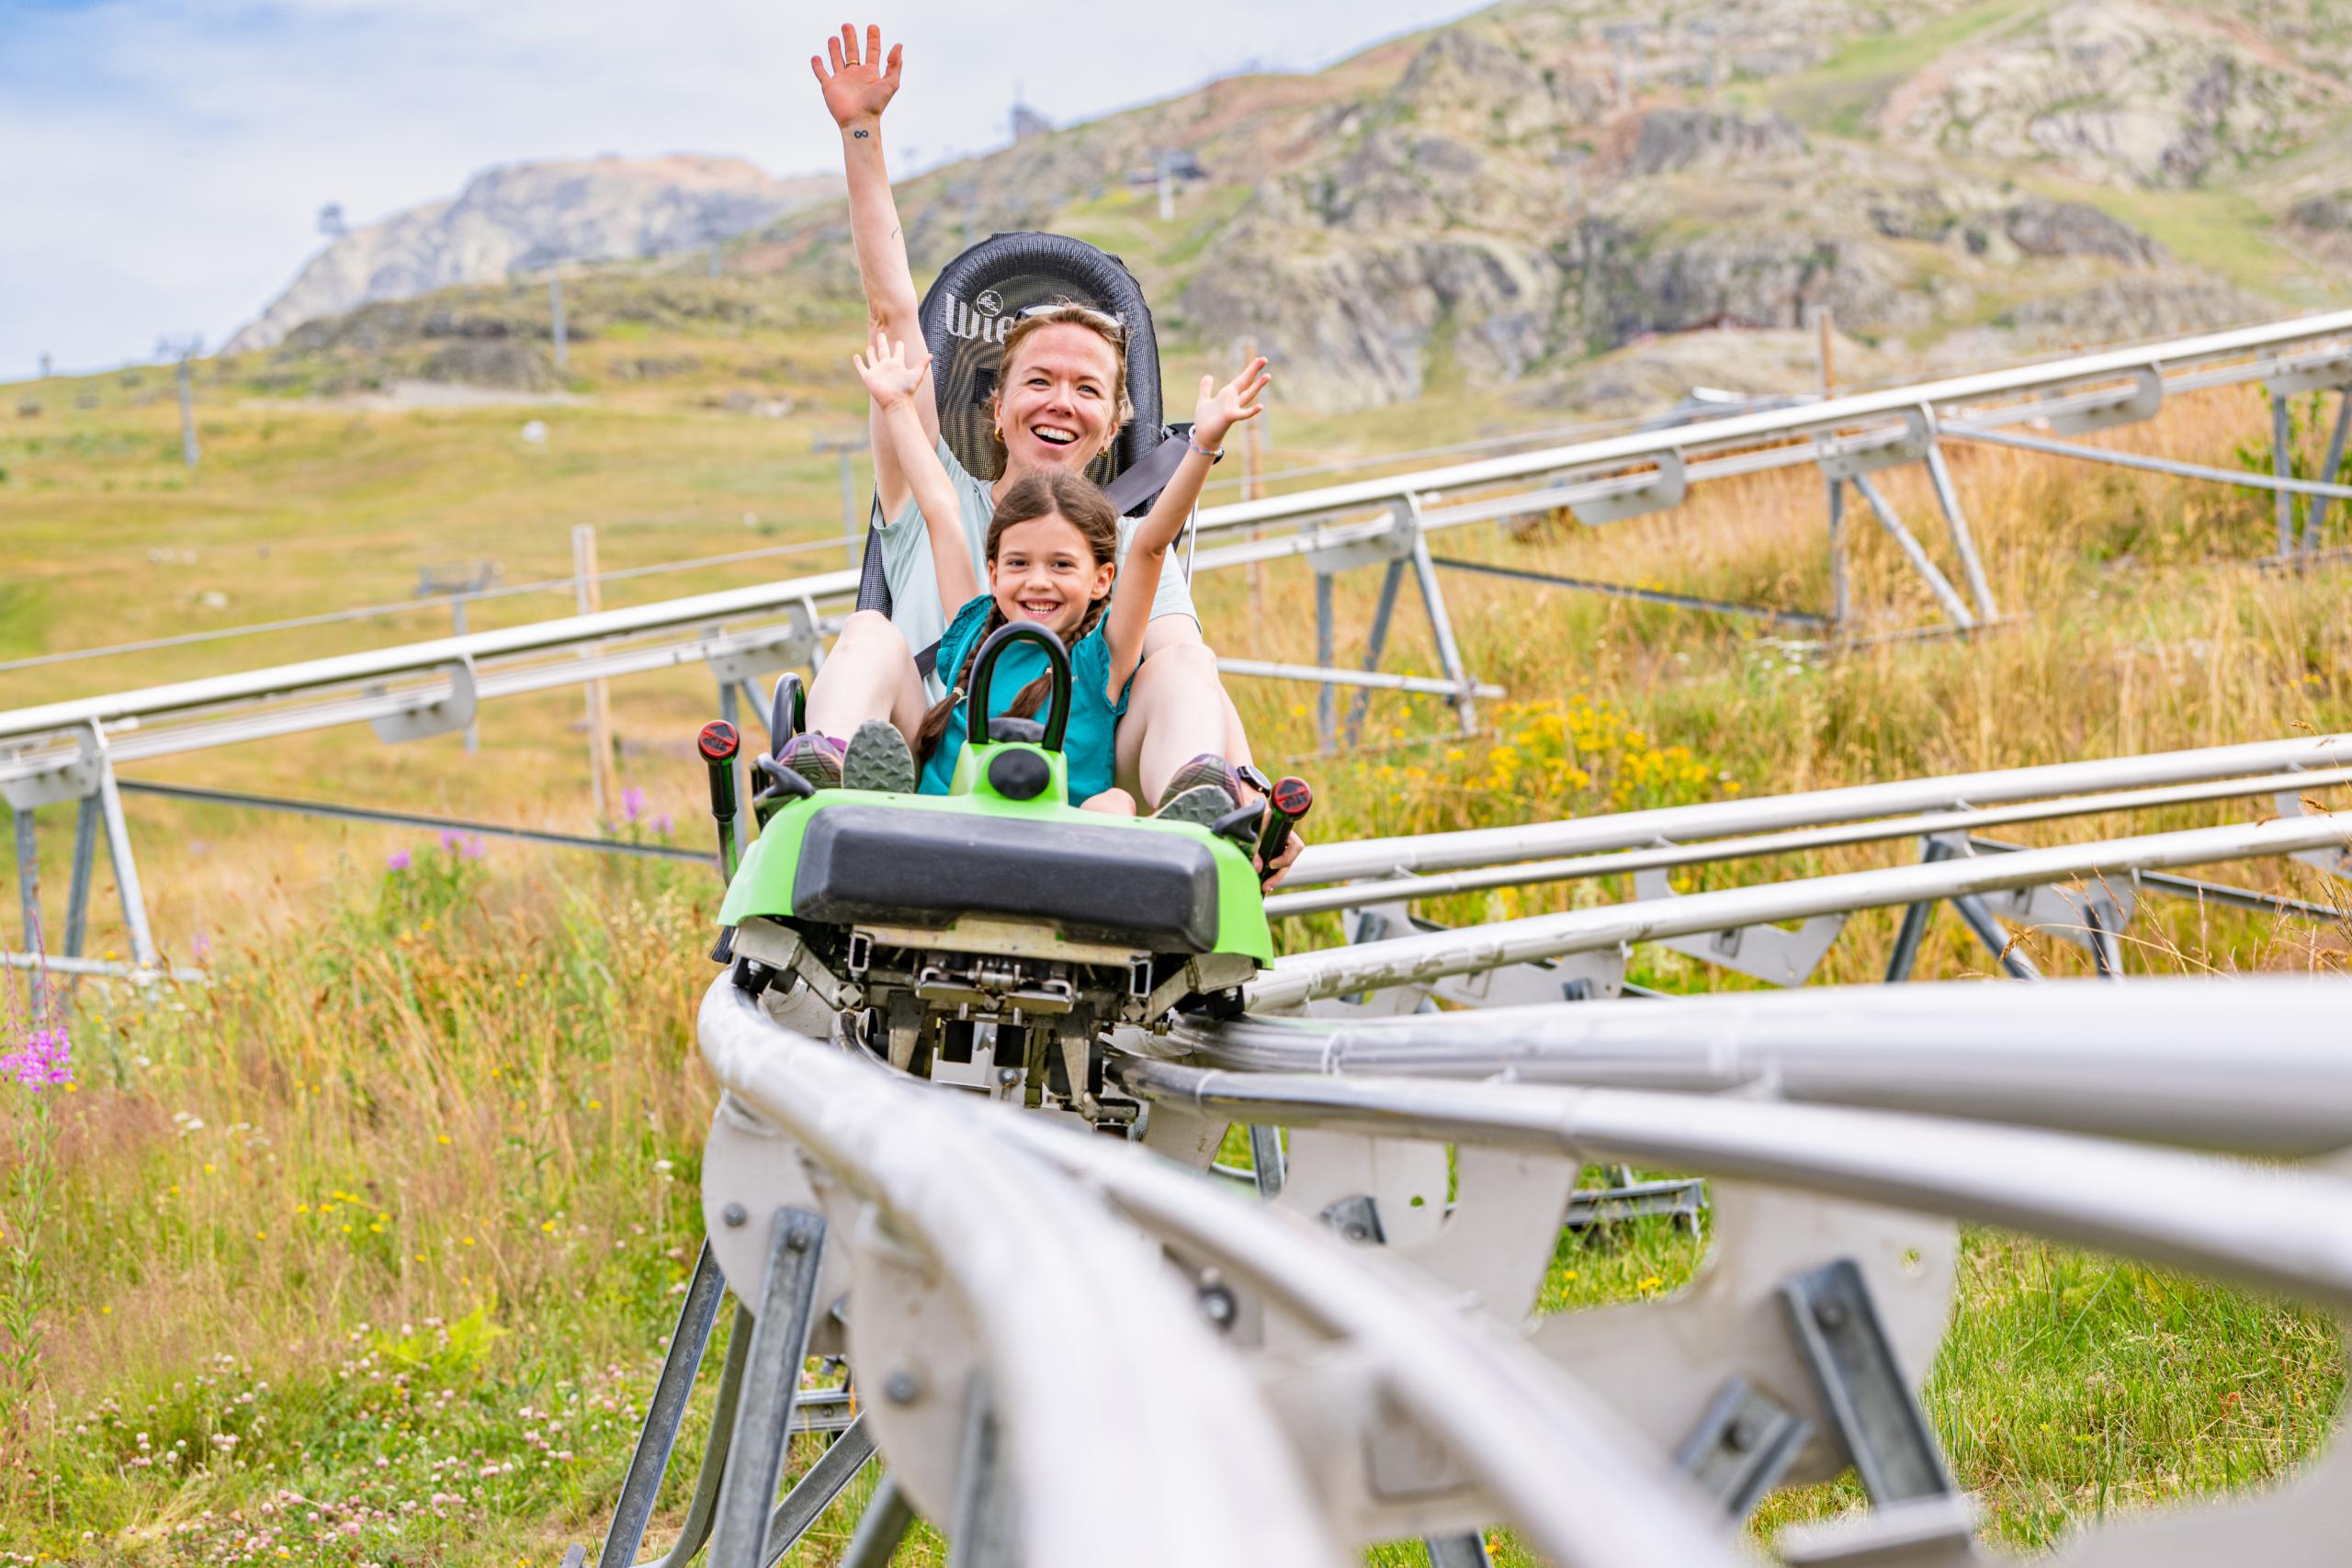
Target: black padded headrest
pixel 974 302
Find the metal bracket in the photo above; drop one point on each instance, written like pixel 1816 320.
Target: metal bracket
pixel 1394 543
pixel 1928 1532
pixel 782 648
pixel 439 716
pixel 2331 374
pixel 1763 953
pixel 70 778
pixel 2142 402
pixel 2335 862
pixel 1660 491
pixel 1837 1327
pixel 1357 1219
pixel 1742 1446
pixel 1911 445
pixel 2079 915
pixel 1678 1198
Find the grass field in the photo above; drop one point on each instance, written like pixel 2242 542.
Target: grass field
pixel 365 1252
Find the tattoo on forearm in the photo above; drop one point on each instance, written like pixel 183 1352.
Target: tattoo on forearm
pixel 894 231
pixel 859 134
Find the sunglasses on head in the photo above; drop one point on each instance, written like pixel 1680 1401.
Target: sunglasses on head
pixel 1102 320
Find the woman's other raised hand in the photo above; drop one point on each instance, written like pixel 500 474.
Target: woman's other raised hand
pixel 888 375
pixel 1222 408
pixel 858 87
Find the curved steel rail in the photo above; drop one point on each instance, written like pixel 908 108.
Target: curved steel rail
pixel 1765 814
pixel 1334 972
pixel 2140 1061
pixel 964 1180
pixel 1005 1229
pixel 2285 1229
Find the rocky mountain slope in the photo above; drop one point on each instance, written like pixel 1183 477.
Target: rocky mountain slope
pixel 525 217
pixel 1533 196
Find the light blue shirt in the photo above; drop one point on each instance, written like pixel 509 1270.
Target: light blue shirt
pixel 915 608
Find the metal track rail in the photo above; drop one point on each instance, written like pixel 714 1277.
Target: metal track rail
pixel 1303 978
pixel 2284 1230
pixel 1712 851
pixel 1001 1229
pixel 1676 825
pixel 1059 1297
pixel 2141 1062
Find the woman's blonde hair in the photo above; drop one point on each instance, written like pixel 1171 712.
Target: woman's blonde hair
pixel 1068 313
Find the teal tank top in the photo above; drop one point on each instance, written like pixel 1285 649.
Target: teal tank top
pixel 1093 717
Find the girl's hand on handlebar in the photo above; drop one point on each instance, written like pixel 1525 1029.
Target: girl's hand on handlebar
pixel 890 379
pixel 1220 408
pixel 858 88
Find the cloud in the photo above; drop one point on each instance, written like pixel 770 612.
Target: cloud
pixel 162 161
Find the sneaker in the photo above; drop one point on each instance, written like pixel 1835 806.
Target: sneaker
pixel 1208 770
pixel 878 758
pixel 817 758
pixel 1204 805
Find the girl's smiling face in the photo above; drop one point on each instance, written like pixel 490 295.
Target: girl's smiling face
pixel 1043 572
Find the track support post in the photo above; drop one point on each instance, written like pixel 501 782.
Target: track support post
pixel 771 1383
pixel 665 1412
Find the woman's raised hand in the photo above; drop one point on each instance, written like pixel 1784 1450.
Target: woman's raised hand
pixel 1222 408
pixel 888 375
pixel 858 88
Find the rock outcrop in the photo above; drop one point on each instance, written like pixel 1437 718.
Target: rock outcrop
pixel 528 216
pixel 2120 91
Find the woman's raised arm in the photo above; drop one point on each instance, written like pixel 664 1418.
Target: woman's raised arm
pixel 857 90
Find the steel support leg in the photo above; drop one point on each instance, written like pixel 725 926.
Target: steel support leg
pixel 2315 507
pixel 981 1534
pixel 1838 1331
pixel 1995 938
pixel 1465 1551
pixel 2282 463
pixel 814 1492
pixel 1448 652
pixel 880 1527
pixel 665 1412
pixel 1326 701
pixel 695 1530
pixel 1266 1160
pixel 1914 922
pixel 77 890
pixel 2107 946
pixel 1390 582
pixel 28 895
pixel 771 1383
pixel 1838 553
pixel 126 866
pixel 1937 583
pixel 1963 541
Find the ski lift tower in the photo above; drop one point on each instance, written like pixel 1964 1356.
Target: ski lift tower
pixel 184 349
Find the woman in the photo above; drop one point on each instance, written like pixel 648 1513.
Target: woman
pixel 1060 406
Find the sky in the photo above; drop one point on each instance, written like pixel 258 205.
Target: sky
pixel 162 162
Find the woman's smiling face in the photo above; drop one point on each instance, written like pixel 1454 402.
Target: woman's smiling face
pixel 1044 572
pixel 1058 404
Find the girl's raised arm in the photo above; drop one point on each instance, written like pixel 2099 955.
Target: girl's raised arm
pixel 857 90
pixel 1218 411
pixel 896 382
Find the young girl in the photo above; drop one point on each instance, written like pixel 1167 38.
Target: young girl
pixel 1052 558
